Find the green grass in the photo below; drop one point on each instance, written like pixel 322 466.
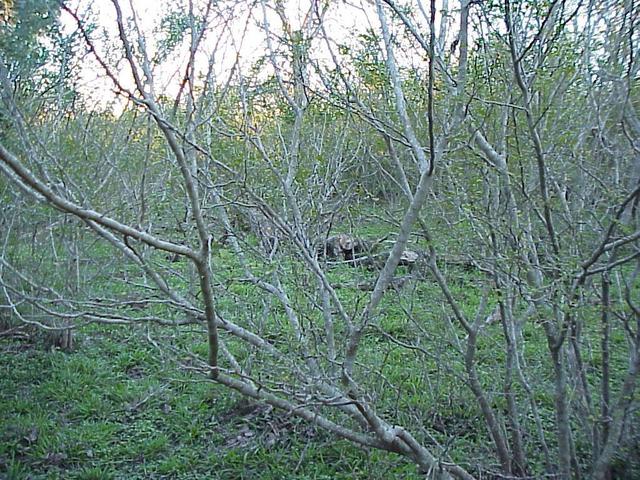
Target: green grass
pixel 117 407
pixel 112 410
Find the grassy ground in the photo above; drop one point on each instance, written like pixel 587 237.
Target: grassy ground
pixel 117 407
pixel 113 409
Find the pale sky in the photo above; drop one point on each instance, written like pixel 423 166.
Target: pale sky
pixel 240 38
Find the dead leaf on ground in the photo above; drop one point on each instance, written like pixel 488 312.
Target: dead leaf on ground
pixel 55 458
pixel 31 437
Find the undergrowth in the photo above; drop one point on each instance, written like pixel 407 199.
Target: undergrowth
pixel 113 409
